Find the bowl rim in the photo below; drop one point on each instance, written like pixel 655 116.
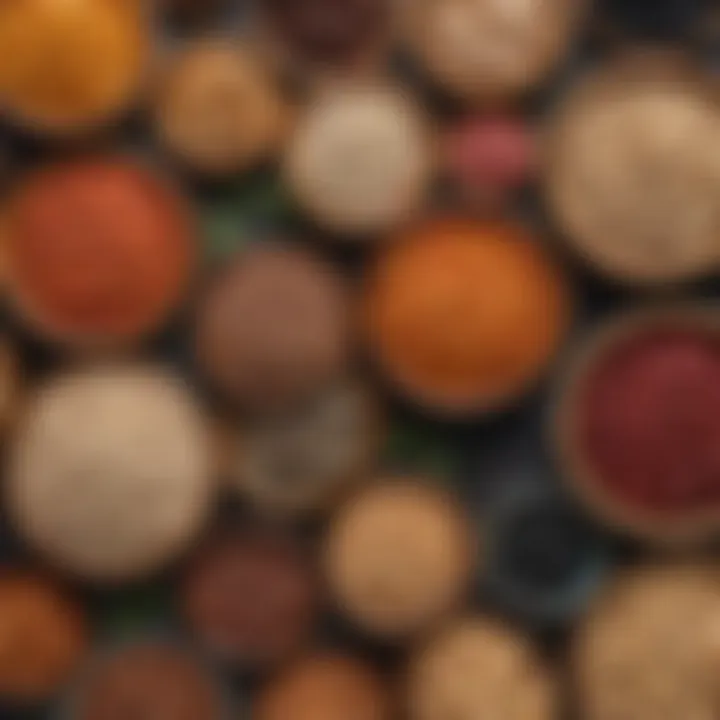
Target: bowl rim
pixel 576 475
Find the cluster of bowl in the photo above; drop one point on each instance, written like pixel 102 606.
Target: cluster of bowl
pixel 216 422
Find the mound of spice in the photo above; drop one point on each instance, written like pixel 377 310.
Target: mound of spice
pixel 301 462
pixel 329 32
pixel 99 251
pixel 149 679
pixel 360 161
pixel 43 636
pixel 399 557
pixel 477 667
pixel 489 50
pixel 218 110
pixel 649 646
pixel 251 598
pixel 488 157
pixel 109 473
pixel 628 173
pixel 325 686
pixel 641 423
pixel 273 328
pixel 68 66
pixel 463 316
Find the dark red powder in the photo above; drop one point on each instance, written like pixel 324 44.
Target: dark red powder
pixel 251 598
pixel 333 31
pixel 649 420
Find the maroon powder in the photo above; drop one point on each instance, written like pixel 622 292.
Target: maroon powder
pixel 149 680
pixel 649 421
pixel 333 31
pixel 251 598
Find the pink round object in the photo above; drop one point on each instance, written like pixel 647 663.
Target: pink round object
pixel 488 157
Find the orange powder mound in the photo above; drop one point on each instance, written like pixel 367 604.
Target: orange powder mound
pixel 68 63
pixel 43 637
pixel 97 249
pixel 464 315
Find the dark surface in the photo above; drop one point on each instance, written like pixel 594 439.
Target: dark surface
pixel 657 19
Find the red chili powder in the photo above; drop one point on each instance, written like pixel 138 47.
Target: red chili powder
pixel 649 420
pixel 98 247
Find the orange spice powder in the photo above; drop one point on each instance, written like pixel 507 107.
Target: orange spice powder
pixel 98 250
pixel 43 637
pixel 463 316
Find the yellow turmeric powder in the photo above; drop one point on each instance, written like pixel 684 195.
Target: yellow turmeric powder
pixel 70 64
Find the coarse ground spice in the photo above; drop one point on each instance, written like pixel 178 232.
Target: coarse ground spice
pixel 149 679
pixel 629 169
pixel 303 462
pixel 648 647
pixel 273 328
pixel 109 475
pixel 98 250
pixel 325 686
pixel 476 667
pixel 218 110
pixel 399 557
pixel 43 636
pixel 462 315
pixel 67 66
pixel 361 160
pixel 482 51
pixel 648 419
pixel 251 598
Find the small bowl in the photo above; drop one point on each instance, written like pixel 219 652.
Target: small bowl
pixel 635 199
pixel 486 51
pixel 326 684
pixel 214 690
pixel 650 642
pixel 686 527
pixel 217 110
pixel 57 124
pixel 489 158
pixel 46 635
pixel 545 562
pixel 445 295
pixel 361 160
pixel 273 329
pixel 252 597
pixel 399 558
pixel 117 523
pixel 479 663
pixel 94 188
pixel 302 464
pixel 312 71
